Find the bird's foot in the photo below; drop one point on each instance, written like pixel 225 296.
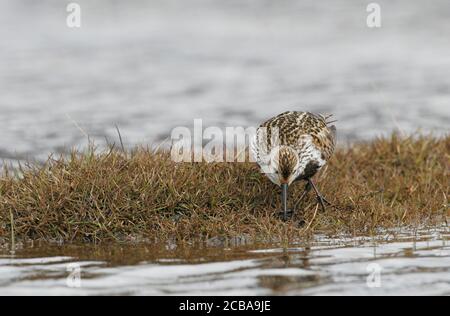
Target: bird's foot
pixel 285 216
pixel 324 200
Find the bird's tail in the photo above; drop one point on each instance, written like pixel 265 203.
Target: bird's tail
pixel 328 118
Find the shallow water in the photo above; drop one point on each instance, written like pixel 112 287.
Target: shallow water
pixel 405 263
pixel 149 66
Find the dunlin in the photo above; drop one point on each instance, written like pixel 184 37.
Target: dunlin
pixel 293 146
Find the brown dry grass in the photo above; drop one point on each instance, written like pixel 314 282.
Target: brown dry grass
pixel 94 197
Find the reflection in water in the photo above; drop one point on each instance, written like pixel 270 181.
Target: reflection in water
pixel 409 264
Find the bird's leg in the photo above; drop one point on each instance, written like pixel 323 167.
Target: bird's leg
pixel 320 197
pixel 307 189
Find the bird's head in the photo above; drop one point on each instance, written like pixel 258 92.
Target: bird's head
pixel 285 165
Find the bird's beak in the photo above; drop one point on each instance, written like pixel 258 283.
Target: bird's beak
pixel 284 193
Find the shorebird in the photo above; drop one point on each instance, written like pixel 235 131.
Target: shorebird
pixel 293 146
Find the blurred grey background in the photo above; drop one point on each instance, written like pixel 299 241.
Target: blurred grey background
pixel 149 66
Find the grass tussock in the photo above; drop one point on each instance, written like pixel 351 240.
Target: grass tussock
pixel 108 196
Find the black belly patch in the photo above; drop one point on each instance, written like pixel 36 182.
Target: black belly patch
pixel 310 170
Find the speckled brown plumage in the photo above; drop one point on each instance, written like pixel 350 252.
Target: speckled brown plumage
pixel 294 146
pixel 302 136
